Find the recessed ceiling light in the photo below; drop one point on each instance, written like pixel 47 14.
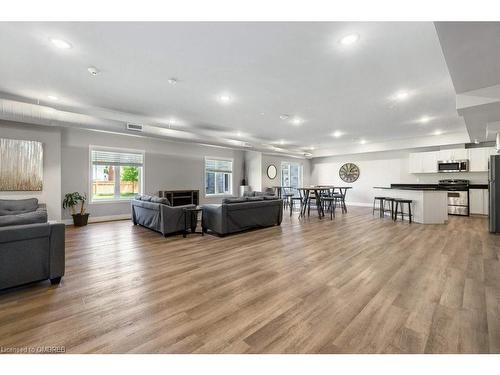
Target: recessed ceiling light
pixel 349 39
pixel 60 43
pixel 53 97
pixel 476 141
pixel 337 134
pixel 93 70
pixel 438 132
pixel 225 99
pixel 282 142
pixel 401 95
pixel 284 117
pixel 362 141
pixel 172 81
pixel 297 121
pixel 424 119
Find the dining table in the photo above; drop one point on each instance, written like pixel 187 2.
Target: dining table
pixel 318 190
pixel 306 191
pixel 342 191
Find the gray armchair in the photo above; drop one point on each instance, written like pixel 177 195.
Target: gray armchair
pixel 30 253
pixel 159 217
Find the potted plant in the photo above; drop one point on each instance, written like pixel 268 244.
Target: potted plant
pixel 71 200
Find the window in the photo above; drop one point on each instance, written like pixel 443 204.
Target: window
pixel 218 176
pixel 291 174
pixel 115 175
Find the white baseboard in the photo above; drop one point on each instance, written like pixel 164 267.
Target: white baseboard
pixel 99 219
pixel 359 204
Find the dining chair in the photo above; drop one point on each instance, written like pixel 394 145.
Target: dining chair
pixel 286 195
pixel 295 198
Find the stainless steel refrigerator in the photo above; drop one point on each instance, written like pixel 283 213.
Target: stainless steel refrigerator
pixel 494 189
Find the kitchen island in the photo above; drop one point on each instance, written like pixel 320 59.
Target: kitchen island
pixel 430 204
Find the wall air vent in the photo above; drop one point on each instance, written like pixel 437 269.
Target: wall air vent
pixel 134 127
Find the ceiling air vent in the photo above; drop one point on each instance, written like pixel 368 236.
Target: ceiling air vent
pixel 134 127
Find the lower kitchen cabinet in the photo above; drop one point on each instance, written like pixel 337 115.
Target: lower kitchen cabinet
pixel 478 201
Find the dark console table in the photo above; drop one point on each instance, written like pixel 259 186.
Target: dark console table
pixel 181 197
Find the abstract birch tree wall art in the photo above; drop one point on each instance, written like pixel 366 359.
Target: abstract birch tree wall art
pixel 21 165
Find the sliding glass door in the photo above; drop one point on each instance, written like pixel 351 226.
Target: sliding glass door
pixel 291 174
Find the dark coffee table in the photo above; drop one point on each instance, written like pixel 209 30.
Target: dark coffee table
pixel 189 213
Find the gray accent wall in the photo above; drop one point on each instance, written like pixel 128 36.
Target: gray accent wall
pixel 51 140
pixel 168 166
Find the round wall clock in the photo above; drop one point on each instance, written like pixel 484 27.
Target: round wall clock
pixel 272 172
pixel 349 172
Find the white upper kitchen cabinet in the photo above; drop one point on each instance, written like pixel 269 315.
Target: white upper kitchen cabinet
pixel 429 162
pixel 423 162
pixel 426 162
pixel 479 158
pixel 415 165
pixel 454 154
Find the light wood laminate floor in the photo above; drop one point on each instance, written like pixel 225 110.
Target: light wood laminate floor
pixel 357 284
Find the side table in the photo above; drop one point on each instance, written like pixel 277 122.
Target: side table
pixel 189 214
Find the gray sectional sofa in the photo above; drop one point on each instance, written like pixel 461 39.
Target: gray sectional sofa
pixel 22 211
pixel 30 248
pixel 157 214
pixel 239 214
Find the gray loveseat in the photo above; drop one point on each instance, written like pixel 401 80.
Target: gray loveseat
pixel 157 214
pixel 239 214
pixel 30 248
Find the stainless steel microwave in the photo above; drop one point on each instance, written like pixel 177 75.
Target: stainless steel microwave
pixel 453 166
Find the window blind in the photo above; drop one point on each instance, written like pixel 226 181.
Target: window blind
pixel 213 165
pixel 101 157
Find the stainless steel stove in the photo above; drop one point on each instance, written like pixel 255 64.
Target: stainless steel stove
pixel 458 196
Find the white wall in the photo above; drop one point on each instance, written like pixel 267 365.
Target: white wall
pixel 168 166
pixel 378 169
pixel 51 140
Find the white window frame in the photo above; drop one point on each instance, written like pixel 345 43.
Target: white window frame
pixel 91 173
pixel 231 194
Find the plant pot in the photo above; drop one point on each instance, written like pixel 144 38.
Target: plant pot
pixel 80 220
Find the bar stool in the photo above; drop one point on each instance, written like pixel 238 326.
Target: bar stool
pixel 331 201
pixel 390 207
pixel 403 214
pixel 381 205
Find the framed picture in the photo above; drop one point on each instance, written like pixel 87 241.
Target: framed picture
pixel 21 165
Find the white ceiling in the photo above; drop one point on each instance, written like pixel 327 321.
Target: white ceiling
pixel 268 69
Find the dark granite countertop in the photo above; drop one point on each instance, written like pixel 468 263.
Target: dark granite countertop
pixel 425 186
pixel 416 188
